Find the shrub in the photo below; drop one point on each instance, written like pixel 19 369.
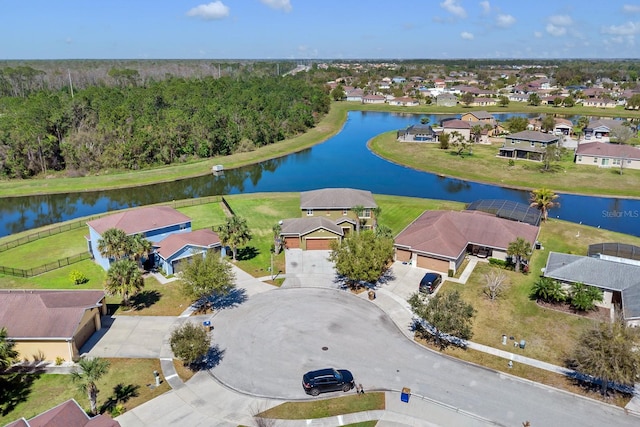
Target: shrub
pixel 190 343
pixel 498 262
pixel 59 360
pixel 450 272
pixel 78 277
pixel 117 410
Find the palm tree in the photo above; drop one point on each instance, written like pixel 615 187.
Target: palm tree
pixel 8 354
pixel 91 372
pixel 549 290
pixel 376 212
pixel 123 278
pixel 114 244
pixel 358 210
pixel 277 239
pixel 543 199
pixel 139 247
pixel 519 250
pixel 235 232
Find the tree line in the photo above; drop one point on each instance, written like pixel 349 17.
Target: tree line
pixel 132 127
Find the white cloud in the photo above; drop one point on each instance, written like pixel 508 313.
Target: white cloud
pixel 467 36
pixel 631 8
pixel 560 20
pixel 454 8
pixel 537 34
pixel 554 30
pixel 210 12
pixel 630 28
pixel 278 4
pixel 486 7
pixel 505 21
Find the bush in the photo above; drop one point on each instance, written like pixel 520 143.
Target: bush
pixel 117 410
pixel 190 343
pixel 78 277
pixel 59 360
pixel 498 262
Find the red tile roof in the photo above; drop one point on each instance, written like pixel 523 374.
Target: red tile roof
pixel 67 414
pixel 173 243
pixel 447 233
pixel 140 220
pixel 44 314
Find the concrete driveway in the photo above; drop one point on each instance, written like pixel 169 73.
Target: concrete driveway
pixel 309 269
pixel 268 342
pixel 129 336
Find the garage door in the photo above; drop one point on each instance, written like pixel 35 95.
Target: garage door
pixel 433 264
pixel 291 242
pixel 85 332
pixel 319 244
pixel 403 255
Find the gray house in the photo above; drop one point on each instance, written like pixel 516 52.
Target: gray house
pixel 417 133
pixel 619 278
pixel 528 144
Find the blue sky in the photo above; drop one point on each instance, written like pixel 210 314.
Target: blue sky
pixel 314 29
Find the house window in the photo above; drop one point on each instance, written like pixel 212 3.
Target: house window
pixel 628 162
pixel 579 158
pixel 595 160
pixel 345 212
pixel 183 226
pixel 513 141
pixel 366 213
pixel 309 212
pixel 533 144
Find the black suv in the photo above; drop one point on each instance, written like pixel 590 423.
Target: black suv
pixel 430 282
pixel 325 380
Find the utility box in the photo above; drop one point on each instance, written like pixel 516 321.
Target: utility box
pixel 404 396
pixel 522 343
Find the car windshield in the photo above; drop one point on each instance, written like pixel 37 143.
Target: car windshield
pixel 337 375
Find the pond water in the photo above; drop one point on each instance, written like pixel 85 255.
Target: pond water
pixel 341 161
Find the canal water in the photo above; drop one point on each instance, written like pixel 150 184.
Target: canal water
pixel 342 161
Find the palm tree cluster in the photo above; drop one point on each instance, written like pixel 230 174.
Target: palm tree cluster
pixel 580 296
pixel 234 232
pixel 124 277
pixel 543 199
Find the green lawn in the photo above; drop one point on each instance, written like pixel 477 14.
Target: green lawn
pixel 57 279
pixel 49 390
pixel 46 250
pixel 484 166
pixel 204 216
pixel 327 407
pixel 157 299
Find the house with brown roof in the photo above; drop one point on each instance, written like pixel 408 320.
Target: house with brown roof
pixel 177 248
pixel 528 144
pixel 440 240
pixel 599 103
pixel 328 215
pixel 66 414
pixel 373 99
pixel 463 128
pixel 404 101
pixel 53 323
pixel 605 155
pixel 153 222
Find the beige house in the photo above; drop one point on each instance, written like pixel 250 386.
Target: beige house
pixel 606 155
pixel 327 215
pixel 52 323
pixel 440 240
pixel 599 103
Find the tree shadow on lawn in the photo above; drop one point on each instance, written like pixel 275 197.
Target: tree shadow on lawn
pixel 247 253
pixel 121 394
pixel 15 386
pixel 145 299
pixel 232 299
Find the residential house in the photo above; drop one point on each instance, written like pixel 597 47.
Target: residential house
pixel 50 322
pixel 517 97
pixel 398 80
pixel 178 248
pixel 417 133
pixel 373 99
pixel 404 101
pixel 354 95
pixel 618 278
pixel 484 118
pixel 439 83
pixel 563 127
pixel 66 414
pixel 599 103
pixel 528 144
pixel 600 128
pixel 328 215
pixel 483 102
pixel 456 125
pixel 440 240
pixel 446 100
pixel 604 154
pixel 154 222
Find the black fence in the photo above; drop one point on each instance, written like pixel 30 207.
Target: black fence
pixel 19 272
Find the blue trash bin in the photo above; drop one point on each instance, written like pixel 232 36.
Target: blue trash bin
pixel 404 396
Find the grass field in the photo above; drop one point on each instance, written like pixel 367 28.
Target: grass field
pixel 484 166
pixel 51 389
pixel 327 407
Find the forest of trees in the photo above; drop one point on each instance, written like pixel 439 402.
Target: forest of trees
pixel 132 124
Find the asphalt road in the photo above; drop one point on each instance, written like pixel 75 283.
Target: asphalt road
pixel 268 342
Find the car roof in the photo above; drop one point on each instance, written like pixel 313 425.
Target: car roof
pixel 431 276
pixel 320 372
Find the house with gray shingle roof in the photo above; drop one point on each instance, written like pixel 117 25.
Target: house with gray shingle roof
pixel 618 278
pixel 175 249
pixel 327 215
pixel 604 154
pixel 528 144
